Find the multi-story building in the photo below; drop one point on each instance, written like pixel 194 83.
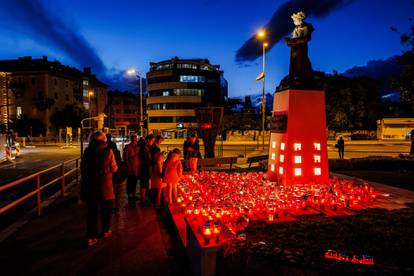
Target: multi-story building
pixel 39 87
pixel 124 113
pixel 176 87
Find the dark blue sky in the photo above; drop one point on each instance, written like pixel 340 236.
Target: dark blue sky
pixel 127 33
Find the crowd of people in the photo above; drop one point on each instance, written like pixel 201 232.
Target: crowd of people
pixel 103 171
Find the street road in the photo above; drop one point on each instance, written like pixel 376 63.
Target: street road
pixel 33 160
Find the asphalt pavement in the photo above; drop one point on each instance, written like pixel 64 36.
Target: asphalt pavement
pixel 33 160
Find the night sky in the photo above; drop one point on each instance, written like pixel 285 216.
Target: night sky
pixel 127 33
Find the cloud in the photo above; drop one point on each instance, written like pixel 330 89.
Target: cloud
pixel 44 26
pixel 280 25
pixel 384 71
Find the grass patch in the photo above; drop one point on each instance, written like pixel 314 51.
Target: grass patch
pixel 388 236
pixel 401 179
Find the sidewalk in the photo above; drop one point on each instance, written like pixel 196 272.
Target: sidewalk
pixel 54 244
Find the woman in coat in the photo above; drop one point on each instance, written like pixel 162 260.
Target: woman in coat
pixel 193 152
pixel 98 165
pixel 132 161
pixel 156 177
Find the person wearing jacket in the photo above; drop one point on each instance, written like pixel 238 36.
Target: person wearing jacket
pixel 118 177
pixel 132 161
pixel 193 152
pixel 97 166
pixel 156 177
pixel 145 168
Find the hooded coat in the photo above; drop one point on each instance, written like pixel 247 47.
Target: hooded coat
pixel 98 165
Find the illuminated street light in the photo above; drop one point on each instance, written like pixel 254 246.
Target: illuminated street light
pixel 132 72
pixel 261 35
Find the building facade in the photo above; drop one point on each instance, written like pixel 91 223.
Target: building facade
pixel 395 128
pixel 175 88
pixel 37 88
pixel 124 112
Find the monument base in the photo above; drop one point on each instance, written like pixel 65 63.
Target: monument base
pixel 298 146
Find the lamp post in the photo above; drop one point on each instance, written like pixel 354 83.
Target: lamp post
pixel 133 72
pixel 261 35
pixel 90 94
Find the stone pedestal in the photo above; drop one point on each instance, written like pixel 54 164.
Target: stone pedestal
pixel 298 146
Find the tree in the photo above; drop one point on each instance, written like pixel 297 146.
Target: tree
pixel 26 126
pixel 70 116
pixel 406 82
pixel 351 103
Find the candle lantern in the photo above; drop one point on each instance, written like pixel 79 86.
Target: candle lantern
pixel 217 231
pixel 367 260
pixel 207 233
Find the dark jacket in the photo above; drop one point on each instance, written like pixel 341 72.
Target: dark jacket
pixel 193 150
pixel 145 167
pixel 97 166
pixel 132 159
pixel 119 176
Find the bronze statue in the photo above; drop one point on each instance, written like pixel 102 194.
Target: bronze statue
pixel 301 74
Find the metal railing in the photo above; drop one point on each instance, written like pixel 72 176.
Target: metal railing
pixel 39 186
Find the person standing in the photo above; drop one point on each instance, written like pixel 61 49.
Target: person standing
pixel 118 176
pixel 156 177
pixel 145 168
pixel 185 146
pixel 132 160
pixel 156 146
pixel 193 152
pixel 97 166
pixel 341 147
pixel 172 174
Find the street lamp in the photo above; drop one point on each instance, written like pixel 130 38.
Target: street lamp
pixel 261 36
pixel 90 95
pixel 133 72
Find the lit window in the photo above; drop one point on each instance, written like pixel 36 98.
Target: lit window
pixel 192 79
pixel 298 159
pixel 317 158
pixel 317 146
pixel 272 167
pixel 206 67
pixel 282 158
pixel 317 171
pixel 297 146
pixel 188 92
pixel 273 156
pixel 186 66
pixel 282 146
pixel 165 93
pixel 298 171
pixel 19 112
pixel 280 170
pixel 273 145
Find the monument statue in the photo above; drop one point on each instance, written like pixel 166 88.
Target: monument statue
pixel 301 74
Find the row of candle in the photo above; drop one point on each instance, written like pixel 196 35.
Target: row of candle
pixel 220 196
pixel 342 256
